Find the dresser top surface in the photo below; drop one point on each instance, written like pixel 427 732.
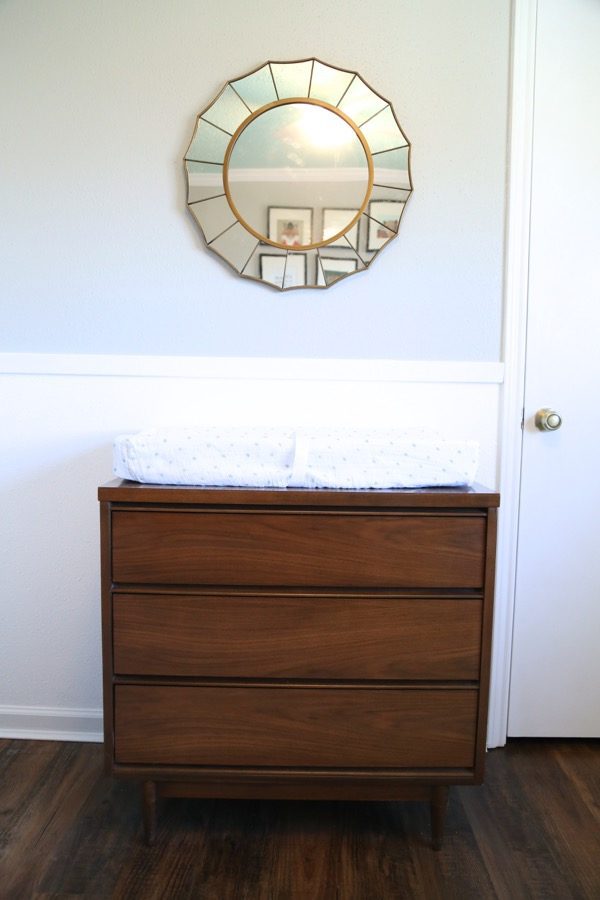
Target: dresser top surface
pixel 476 496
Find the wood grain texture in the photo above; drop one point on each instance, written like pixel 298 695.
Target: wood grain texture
pixel 486 644
pixel 268 640
pixel 270 549
pixel 131 492
pixel 529 833
pixel 107 635
pixel 297 637
pixel 299 783
pixel 256 726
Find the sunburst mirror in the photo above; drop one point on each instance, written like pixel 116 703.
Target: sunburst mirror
pixel 298 174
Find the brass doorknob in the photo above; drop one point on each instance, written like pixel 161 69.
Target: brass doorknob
pixel 547 420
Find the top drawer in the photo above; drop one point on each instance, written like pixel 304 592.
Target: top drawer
pixel 280 548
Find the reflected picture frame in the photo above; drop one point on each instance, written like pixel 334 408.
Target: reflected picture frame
pixel 384 220
pixel 338 265
pixel 290 225
pixel 334 221
pixel 275 267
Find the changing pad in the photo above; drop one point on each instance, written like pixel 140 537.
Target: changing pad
pixel 295 457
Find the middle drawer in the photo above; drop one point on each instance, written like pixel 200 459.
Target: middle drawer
pixel 309 636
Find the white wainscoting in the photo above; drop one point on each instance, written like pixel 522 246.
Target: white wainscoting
pixel 255 368
pixel 59 416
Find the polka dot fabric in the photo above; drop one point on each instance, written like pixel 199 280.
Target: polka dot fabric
pixel 295 457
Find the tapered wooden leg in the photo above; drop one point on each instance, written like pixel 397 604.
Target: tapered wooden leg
pixel 149 811
pixel 439 802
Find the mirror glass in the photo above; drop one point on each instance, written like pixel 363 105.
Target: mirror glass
pixel 298 174
pixel 292 157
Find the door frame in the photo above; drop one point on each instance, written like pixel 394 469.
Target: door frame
pixel 514 343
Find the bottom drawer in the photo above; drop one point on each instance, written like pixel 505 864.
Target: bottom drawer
pixel 290 726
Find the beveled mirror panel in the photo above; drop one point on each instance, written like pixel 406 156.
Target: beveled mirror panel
pixel 298 174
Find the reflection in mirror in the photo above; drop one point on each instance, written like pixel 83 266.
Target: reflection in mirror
pixel 377 233
pixel 334 264
pixel 209 144
pixel 329 84
pixel 213 216
pixel 360 102
pixel 383 132
pixel 389 193
pixel 228 112
pixel 256 89
pixel 205 180
pixel 292 79
pixel 298 174
pixel 272 268
pixel 295 270
pixel 336 220
pixel 293 157
pixel 391 168
pixel 385 217
pixel 312 267
pixel 236 246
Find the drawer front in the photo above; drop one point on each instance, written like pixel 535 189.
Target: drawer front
pixel 326 549
pixel 297 637
pixel 279 726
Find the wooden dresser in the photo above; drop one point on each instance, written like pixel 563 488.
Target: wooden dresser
pixel 317 644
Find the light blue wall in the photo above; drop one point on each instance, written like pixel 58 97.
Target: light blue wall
pixel 98 253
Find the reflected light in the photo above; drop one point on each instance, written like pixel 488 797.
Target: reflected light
pixel 322 128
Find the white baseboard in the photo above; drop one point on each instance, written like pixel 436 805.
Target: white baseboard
pixel 47 723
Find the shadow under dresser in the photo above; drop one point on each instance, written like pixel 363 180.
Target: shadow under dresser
pixel 296 643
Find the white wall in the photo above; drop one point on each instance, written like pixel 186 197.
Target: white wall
pixel 99 256
pixel 57 451
pixel 99 101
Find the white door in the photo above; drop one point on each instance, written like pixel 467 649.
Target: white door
pixel 555 676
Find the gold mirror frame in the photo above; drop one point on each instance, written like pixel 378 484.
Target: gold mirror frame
pixel 355 243
pixel 288 102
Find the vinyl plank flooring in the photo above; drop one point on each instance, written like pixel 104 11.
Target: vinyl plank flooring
pixel 531 831
pixel 580 765
pixel 519 814
pixel 570 830
pixel 512 839
pixel 99 846
pixel 51 781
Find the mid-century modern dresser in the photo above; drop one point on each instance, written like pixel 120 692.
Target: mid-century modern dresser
pixel 287 643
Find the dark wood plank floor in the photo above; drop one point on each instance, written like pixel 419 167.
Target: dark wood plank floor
pixel 532 831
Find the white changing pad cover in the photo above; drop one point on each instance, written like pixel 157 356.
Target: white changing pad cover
pixel 336 457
